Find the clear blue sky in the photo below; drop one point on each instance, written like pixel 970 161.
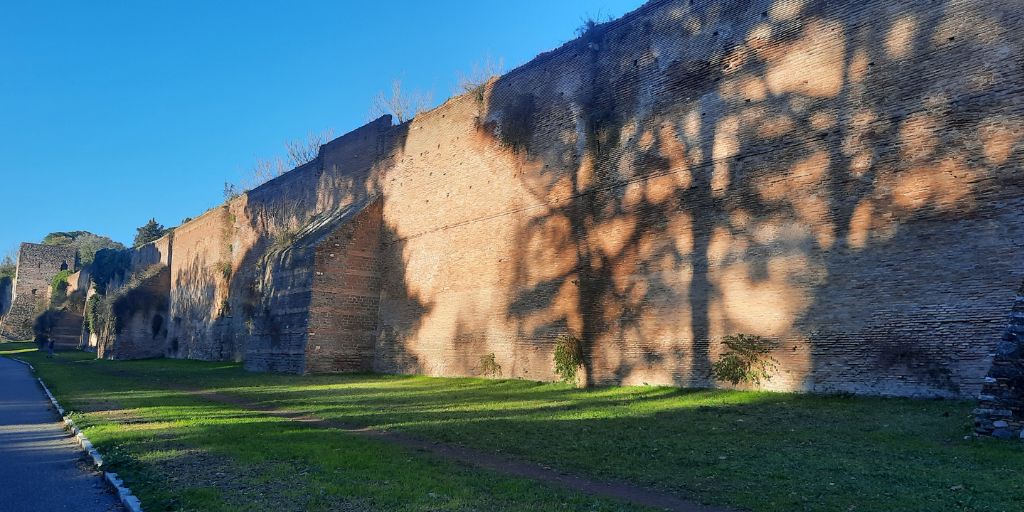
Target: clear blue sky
pixel 115 112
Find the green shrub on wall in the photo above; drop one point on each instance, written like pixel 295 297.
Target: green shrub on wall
pixel 748 360
pixel 59 288
pixel 568 357
pixel 93 313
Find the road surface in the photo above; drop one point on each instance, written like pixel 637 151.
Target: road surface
pixel 42 468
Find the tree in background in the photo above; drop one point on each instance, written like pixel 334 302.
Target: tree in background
pixel 150 232
pixel 87 243
pixel 8 266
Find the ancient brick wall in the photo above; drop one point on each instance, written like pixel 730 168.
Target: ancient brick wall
pixel 157 252
pixel 843 177
pixel 140 312
pixel 79 282
pixel 37 265
pixel 346 296
pixel 296 315
pixel 66 329
pixel 236 294
pixel 1000 412
pixel 278 312
pixel 200 270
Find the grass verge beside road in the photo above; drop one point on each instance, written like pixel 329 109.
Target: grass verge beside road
pixel 760 451
pixel 179 452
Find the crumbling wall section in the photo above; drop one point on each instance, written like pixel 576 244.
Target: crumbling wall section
pixel 37 266
pixel 135 318
pixel 279 314
pixel 235 290
pixel 295 306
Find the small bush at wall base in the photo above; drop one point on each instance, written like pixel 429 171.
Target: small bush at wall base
pixel 568 357
pixel 489 366
pixel 748 360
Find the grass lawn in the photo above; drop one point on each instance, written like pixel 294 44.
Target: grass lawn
pixel 758 451
pixel 178 452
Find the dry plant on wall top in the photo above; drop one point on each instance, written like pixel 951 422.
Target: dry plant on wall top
pixel 590 22
pixel 298 152
pixel 303 151
pixel 402 105
pixel 481 73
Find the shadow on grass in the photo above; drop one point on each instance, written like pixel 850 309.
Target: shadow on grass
pixel 763 451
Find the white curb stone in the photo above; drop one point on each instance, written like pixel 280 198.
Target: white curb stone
pixel 129 500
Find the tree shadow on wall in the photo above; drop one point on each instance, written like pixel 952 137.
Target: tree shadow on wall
pixel 735 172
pixel 402 310
pixel 193 299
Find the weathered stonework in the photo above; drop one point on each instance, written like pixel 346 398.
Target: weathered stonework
pixel 843 177
pixel 66 330
pixel 1000 412
pixel 346 296
pixel 37 266
pixel 140 316
pixel 314 307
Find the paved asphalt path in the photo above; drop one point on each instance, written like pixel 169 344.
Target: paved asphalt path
pixel 41 467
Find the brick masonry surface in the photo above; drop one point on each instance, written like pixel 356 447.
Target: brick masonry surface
pixel 141 311
pixel 843 177
pixel 37 266
pixel 1000 412
pixel 346 296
